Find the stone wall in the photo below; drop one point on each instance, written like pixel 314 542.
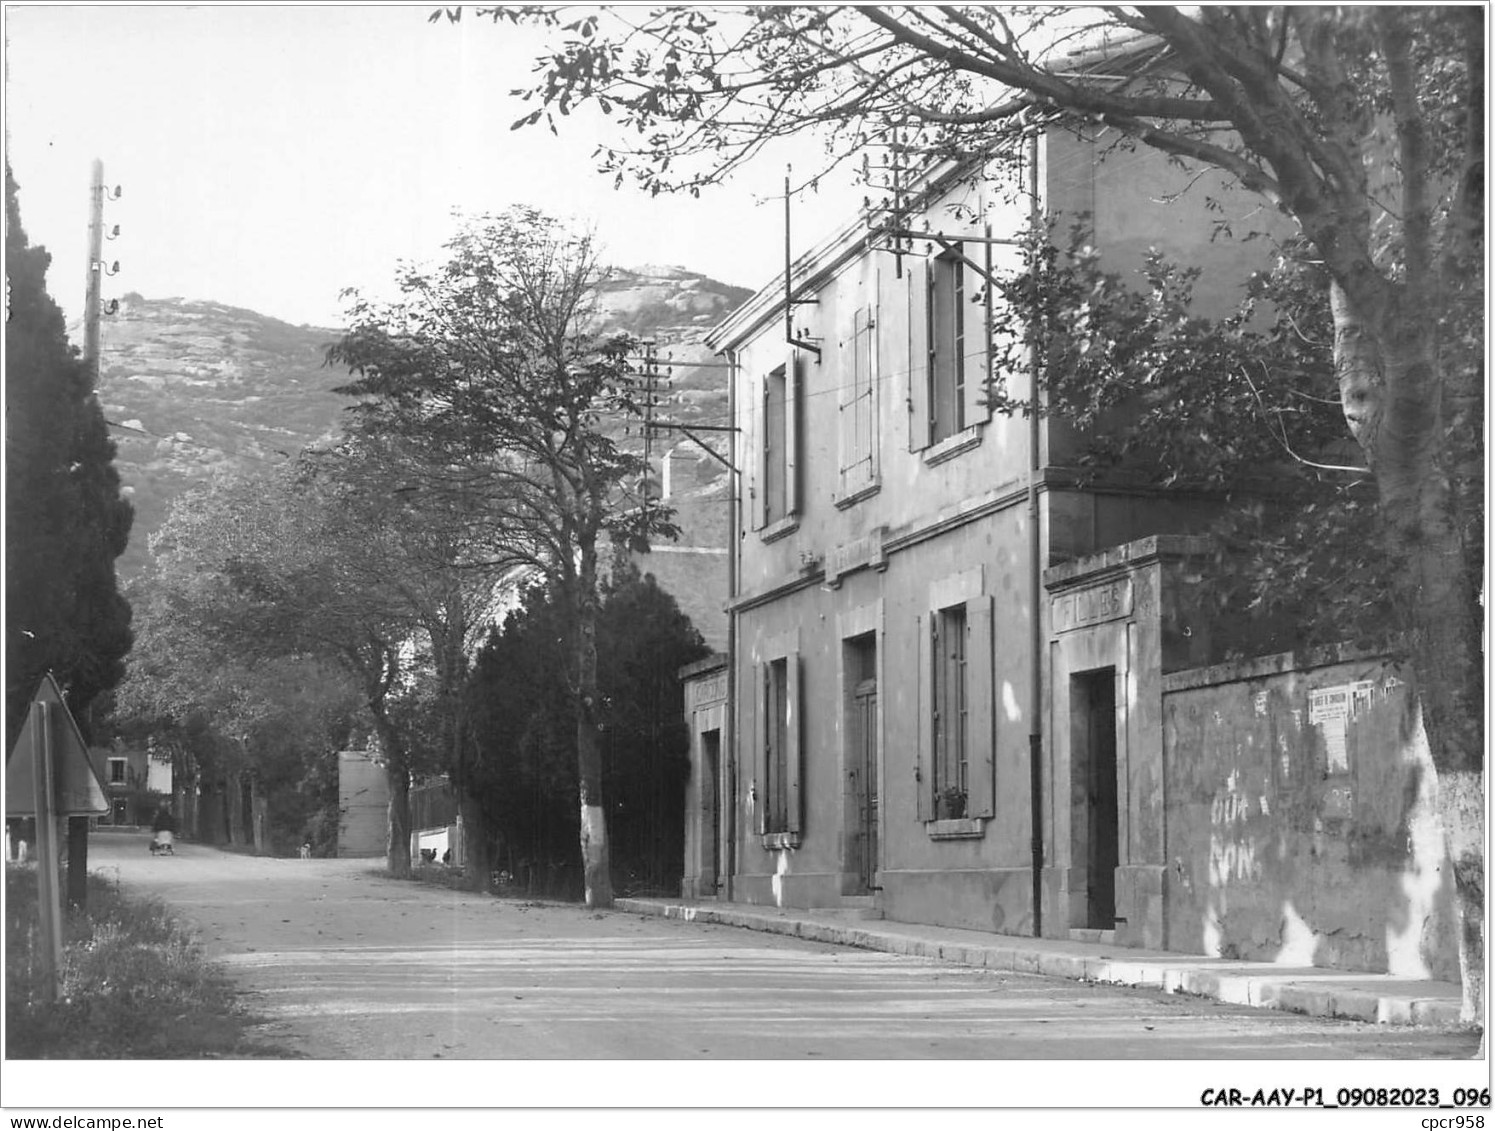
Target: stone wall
pixel 1301 822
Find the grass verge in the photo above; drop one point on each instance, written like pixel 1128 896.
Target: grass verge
pixel 135 984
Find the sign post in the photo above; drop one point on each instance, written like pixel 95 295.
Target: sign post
pixel 48 776
pixel 49 901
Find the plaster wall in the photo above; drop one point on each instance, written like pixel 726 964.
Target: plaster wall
pixel 1301 819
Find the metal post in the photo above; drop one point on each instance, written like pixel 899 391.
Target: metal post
pixel 730 754
pixel 788 288
pixel 1035 587
pixel 49 901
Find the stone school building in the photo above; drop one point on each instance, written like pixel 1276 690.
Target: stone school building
pixel 964 685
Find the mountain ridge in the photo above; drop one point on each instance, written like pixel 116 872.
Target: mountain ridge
pixel 198 388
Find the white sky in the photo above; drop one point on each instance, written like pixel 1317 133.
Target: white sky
pixel 271 156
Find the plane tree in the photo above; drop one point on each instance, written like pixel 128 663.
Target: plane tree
pixel 489 367
pixel 1363 126
pixel 251 574
pixel 446 558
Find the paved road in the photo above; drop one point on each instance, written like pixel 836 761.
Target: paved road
pixel 346 963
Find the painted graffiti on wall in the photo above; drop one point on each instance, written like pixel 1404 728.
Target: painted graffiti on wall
pixel 1233 847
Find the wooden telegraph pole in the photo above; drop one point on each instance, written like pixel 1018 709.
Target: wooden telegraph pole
pixel 77 827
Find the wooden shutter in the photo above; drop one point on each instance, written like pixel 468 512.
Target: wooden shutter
pixel 765 453
pixel 846 400
pixel 857 381
pixel 874 358
pixel 978 347
pixel 924 629
pixel 980 709
pixel 919 278
pixel 793 747
pixel 762 680
pixel 866 383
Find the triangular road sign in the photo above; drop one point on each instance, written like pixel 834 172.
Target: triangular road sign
pixel 79 791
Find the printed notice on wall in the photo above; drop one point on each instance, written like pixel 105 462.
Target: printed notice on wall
pixel 1332 708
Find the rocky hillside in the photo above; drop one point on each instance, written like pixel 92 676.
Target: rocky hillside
pixel 197 389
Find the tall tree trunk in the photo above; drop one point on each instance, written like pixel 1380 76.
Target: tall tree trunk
pixel 397 848
pixel 397 777
pixel 477 846
pixel 1389 363
pixel 233 791
pixel 210 813
pixel 596 865
pixel 187 810
pixel 259 818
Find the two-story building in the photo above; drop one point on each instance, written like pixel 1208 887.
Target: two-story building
pixel 138 782
pixel 906 726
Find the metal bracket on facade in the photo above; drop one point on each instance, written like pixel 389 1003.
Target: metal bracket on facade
pixel 951 244
pixel 689 431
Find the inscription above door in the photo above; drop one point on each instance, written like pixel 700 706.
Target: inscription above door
pixel 1095 605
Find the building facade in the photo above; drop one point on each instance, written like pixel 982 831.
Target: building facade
pixel 138 782
pixel 890 644
pixel 965 686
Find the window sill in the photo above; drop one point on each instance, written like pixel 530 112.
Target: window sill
pixel 775 841
pixel 858 495
pixel 952 446
pixel 959 828
pixel 780 529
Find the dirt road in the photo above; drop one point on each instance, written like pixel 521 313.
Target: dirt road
pixel 346 963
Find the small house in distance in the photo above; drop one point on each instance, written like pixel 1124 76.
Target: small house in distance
pixel 363 805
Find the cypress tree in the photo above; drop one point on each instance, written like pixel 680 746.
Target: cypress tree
pixel 66 521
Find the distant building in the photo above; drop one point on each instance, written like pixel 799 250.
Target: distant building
pixel 363 805
pixel 138 782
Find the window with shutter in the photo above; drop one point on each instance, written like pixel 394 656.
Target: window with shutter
pixel 951 702
pixel 858 404
pixel 775 421
pixel 945 335
pixel 957 720
pixel 781 802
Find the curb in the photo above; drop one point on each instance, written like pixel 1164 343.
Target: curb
pixel 1177 976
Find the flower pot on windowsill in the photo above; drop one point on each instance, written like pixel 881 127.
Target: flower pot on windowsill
pixel 951 804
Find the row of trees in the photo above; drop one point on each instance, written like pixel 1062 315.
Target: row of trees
pixel 477 464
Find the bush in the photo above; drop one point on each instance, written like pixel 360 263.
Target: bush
pixel 134 983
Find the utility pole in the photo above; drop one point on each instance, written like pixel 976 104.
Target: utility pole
pixel 77 827
pixel 95 271
pixel 93 303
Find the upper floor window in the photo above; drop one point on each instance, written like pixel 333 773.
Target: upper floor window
pixel 946 337
pixel 948 354
pixel 778 478
pixel 859 404
pixel 118 771
pixel 775 420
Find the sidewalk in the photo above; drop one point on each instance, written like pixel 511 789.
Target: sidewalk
pixel 1310 990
